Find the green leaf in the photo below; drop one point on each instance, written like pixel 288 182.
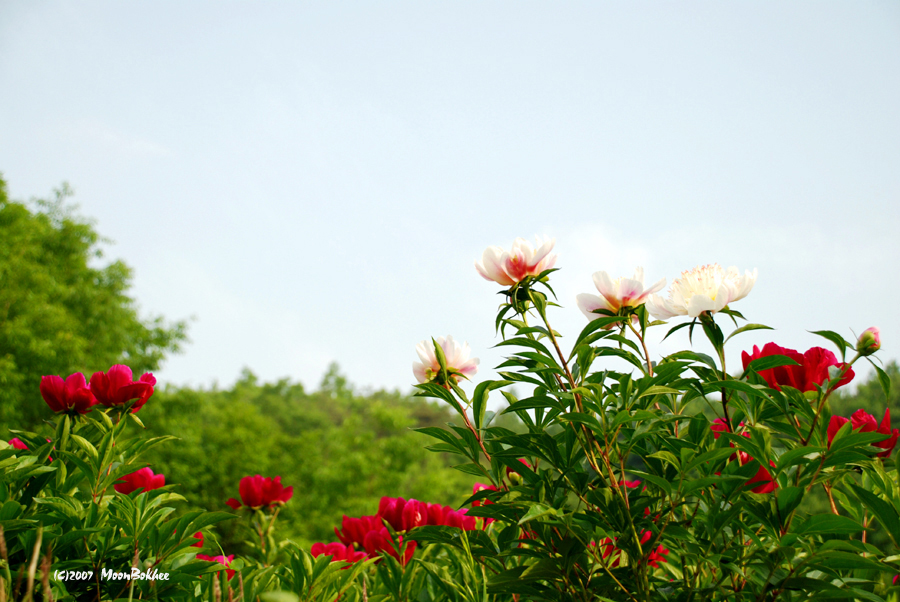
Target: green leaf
pixel 788 499
pixel 537 511
pixel 747 327
pixel 883 511
pixel 835 338
pixel 828 523
pixel 480 397
pixel 768 362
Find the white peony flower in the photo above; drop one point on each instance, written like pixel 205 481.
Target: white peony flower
pixel 616 294
pixel 509 268
pixel 706 288
pixel 457 357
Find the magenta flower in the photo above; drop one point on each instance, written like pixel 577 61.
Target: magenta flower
pixel 261 492
pixel 17 443
pixel 866 423
pixel 140 479
pixel 71 396
pixel 337 551
pixel 221 559
pixel 355 529
pixel 116 387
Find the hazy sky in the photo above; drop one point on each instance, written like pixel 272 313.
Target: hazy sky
pixel 313 181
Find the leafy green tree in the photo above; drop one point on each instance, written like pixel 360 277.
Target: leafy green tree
pixel 58 314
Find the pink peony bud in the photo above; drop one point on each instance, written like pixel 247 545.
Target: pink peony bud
pixel 869 341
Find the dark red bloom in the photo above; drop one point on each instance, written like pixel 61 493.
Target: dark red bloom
pixel 866 423
pixel 199 536
pixel 834 425
pixel 72 395
pixel 116 387
pixel 337 551
pixel 812 368
pixel 17 443
pixel 380 541
pixel 355 529
pixel 259 492
pixel 141 479
pixel 223 560
pixel 657 556
pixel 766 482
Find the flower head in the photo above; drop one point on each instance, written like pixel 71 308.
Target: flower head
pixel 199 537
pixel 866 423
pixel 705 289
pixel 834 425
pixel 72 395
pixel 869 341
pixel 763 480
pixel 514 477
pixel 355 529
pixel 261 492
pixel 617 294
pixel 141 479
pixel 459 364
pixel 116 387
pixel 812 367
pixel 221 559
pixel 381 541
pixel 17 443
pixel 523 260
pixel 337 551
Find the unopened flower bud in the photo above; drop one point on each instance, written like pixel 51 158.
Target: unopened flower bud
pixel 869 341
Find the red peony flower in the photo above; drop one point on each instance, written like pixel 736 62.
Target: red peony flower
pixel 71 396
pixel 355 529
pixel 221 559
pixel 380 541
pixel 17 443
pixel 866 423
pixel 766 482
pixel 834 425
pixel 812 368
pixel 199 536
pixel 337 551
pixel 141 479
pixel 116 387
pixel 482 487
pixel 260 492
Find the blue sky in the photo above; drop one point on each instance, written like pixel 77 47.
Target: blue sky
pixel 312 182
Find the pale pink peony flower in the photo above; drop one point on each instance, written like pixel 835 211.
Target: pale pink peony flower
pixel 706 288
pixel 457 360
pixel 616 294
pixel 509 268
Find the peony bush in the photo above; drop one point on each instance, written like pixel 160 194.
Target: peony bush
pixel 634 476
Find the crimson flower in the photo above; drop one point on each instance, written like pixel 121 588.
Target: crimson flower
pixel 355 529
pixel 259 492
pixel 199 536
pixel 140 479
pixel 834 425
pixel 866 423
pixel 380 541
pixel 337 551
pixel 812 368
pixel 17 443
pixel 763 479
pixel 116 387
pixel 482 487
pixel 71 396
pixel 221 559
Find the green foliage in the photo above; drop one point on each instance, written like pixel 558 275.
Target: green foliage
pixel 58 313
pixel 341 450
